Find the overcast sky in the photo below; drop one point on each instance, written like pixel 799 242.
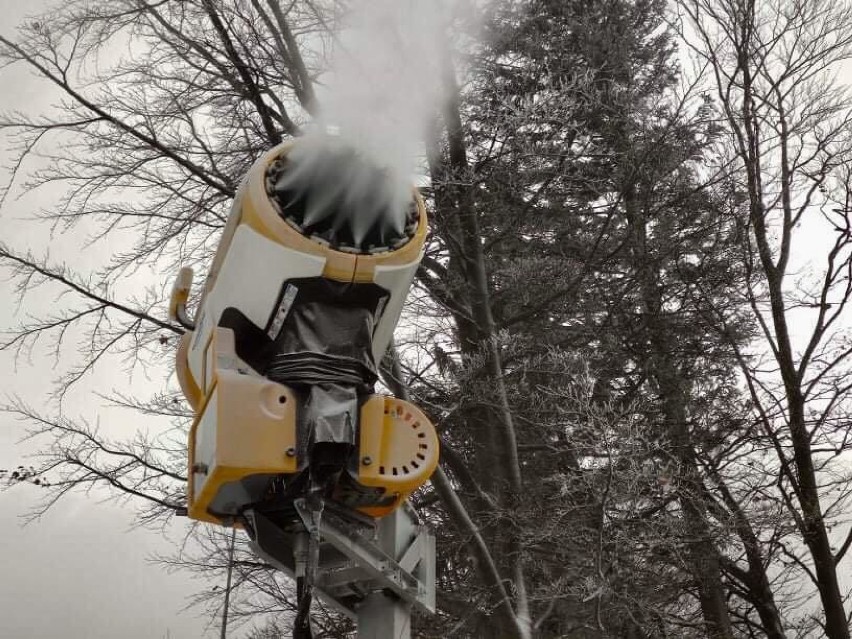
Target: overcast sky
pixel 80 572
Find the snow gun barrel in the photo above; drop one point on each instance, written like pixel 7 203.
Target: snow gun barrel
pixel 280 362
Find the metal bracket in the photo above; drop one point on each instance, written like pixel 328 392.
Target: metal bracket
pixel 358 556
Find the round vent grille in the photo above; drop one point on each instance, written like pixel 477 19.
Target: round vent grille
pixel 413 449
pixel 399 445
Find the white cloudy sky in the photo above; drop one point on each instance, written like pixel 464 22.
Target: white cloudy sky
pixel 81 571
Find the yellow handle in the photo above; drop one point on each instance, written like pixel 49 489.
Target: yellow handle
pixel 179 298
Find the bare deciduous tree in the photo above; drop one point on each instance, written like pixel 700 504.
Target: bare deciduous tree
pixel 789 135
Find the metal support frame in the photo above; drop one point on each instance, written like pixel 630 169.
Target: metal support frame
pixel 382 614
pixel 376 572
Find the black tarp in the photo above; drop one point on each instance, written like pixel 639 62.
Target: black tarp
pixel 319 341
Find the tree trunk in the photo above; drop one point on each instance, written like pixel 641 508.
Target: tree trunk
pixel 755 579
pixel 493 421
pixel 702 554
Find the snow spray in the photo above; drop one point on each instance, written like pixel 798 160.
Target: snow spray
pixel 348 180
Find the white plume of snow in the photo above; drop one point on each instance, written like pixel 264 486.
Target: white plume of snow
pixel 383 88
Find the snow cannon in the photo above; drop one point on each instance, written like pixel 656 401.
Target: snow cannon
pixel 280 362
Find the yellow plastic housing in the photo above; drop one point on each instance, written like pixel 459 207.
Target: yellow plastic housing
pixel 254 208
pixel 187 382
pixel 247 426
pixel 254 217
pixel 398 449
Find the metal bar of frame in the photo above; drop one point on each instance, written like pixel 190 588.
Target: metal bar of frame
pixel 392 565
pixel 383 615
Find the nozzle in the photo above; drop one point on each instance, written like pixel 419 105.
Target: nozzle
pixel 337 197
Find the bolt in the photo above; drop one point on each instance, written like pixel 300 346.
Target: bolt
pixel 291 452
pixel 367 460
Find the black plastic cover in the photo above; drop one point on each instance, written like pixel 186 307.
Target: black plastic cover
pixel 319 341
